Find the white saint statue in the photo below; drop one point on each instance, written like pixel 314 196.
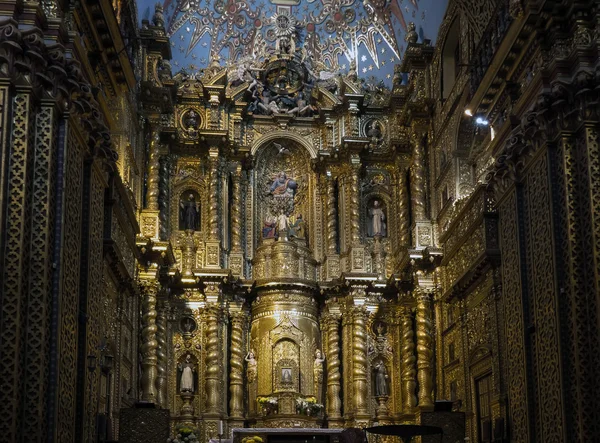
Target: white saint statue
pixel 378 220
pixel 318 366
pixel 187 375
pixel 283 224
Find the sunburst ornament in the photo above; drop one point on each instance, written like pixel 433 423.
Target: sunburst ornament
pixel 284 24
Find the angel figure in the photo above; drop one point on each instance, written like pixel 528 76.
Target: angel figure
pixel 252 366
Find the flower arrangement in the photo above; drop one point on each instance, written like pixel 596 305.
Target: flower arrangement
pixel 308 406
pixel 184 434
pixel 253 439
pixel 268 404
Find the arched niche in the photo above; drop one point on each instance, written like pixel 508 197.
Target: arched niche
pixel 189 216
pixel 450 59
pixel 286 359
pixel 188 185
pixel 283 182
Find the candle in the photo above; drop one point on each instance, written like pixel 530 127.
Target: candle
pixel 220 427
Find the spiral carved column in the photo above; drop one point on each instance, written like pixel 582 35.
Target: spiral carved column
pixel 403 212
pixel 149 344
pixel 236 362
pixel 161 355
pixel 359 364
pixel 213 209
pixel 153 172
pixel 418 180
pixel 354 207
pixel 211 318
pixel 236 218
pixel 409 360
pixel 424 349
pixel 331 218
pixel 334 403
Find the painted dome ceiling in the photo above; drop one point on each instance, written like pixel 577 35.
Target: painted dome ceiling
pixel 331 34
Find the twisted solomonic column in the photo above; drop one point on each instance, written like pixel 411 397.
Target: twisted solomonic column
pixel 359 362
pixel 236 210
pixel 424 349
pixel 161 355
pixel 153 171
pixel 331 218
pixel 354 206
pixel 334 403
pixel 149 343
pixel 409 360
pixel 211 318
pixel 403 211
pixel 236 362
pixel 418 180
pixel 213 205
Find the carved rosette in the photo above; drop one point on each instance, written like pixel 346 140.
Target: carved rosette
pixel 236 362
pixel 409 360
pixel 149 343
pixel 424 349
pixel 334 404
pixel 211 318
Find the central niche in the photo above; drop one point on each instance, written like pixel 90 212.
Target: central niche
pixel 283 182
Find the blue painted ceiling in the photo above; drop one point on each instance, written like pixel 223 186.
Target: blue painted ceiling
pixel 331 33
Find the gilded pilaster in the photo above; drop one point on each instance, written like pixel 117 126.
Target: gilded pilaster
pixel 409 360
pixel 354 204
pixel 188 254
pixel 334 403
pixel 213 221
pixel 359 366
pixel 161 354
pixel 236 362
pixel 149 290
pixel 424 349
pixel 211 318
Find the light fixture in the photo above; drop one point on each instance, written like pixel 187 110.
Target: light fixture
pixel 468 112
pixel 91 362
pixel 481 121
pixel 107 362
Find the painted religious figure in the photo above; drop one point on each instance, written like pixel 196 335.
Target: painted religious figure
pixel 186 382
pixel 286 375
pixel 377 225
pixel 381 388
pixel 189 214
pixel 269 228
pixel 283 186
pixel 298 228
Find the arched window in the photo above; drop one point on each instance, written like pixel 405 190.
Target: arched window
pixel 450 59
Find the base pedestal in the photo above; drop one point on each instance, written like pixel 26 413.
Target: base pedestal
pixel 143 425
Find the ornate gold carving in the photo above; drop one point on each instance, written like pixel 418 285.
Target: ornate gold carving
pixel 418 179
pixel 161 355
pixel 359 362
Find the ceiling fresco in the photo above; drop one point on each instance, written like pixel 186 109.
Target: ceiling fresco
pixel 334 35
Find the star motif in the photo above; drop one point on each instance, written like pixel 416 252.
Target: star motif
pixel 363 58
pixel 388 76
pixel 364 70
pixel 370 67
